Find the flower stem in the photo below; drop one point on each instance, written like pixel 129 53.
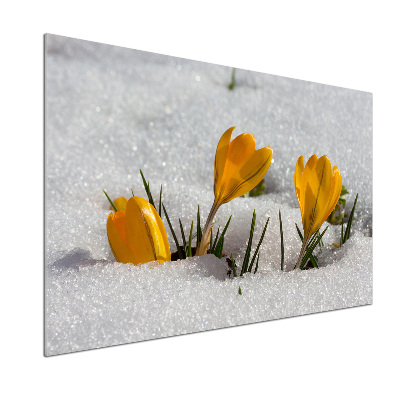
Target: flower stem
pixel 205 239
pixel 302 252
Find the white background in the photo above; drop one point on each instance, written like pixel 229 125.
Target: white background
pixel 347 354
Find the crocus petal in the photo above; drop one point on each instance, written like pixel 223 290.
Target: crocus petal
pixel 220 159
pixel 145 232
pixel 120 203
pixel 119 222
pixel 248 174
pixel 317 192
pixel 298 173
pixel 304 179
pixel 240 148
pixel 115 227
pixel 335 191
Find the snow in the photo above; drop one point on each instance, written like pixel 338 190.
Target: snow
pixel 111 111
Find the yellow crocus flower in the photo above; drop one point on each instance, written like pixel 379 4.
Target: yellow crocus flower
pixel 137 234
pixel 238 168
pixel 318 189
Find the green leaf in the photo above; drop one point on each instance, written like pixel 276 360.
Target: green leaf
pixel 220 246
pixel 212 250
pixel 199 234
pixel 222 237
pixel 147 189
pixel 159 210
pixel 189 250
pixel 240 291
pixel 183 234
pixel 299 232
pixel 233 266
pixel 178 248
pixel 258 245
pixel 321 243
pixel 258 258
pixel 311 248
pixel 350 222
pixel 312 258
pixel 233 81
pixel 248 250
pixel 112 204
pixel 282 244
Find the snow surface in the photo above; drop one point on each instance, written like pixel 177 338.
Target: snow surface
pixel 111 111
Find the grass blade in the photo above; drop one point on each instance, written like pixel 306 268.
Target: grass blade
pixel 212 250
pixel 240 291
pixel 349 223
pixel 183 234
pixel 147 189
pixel 321 243
pixel 282 244
pixel 220 246
pixel 314 261
pixel 312 258
pixel 221 238
pixel 233 266
pixel 258 259
pixel 299 232
pixel 232 84
pixel 258 245
pixel 112 204
pixel 311 248
pixel 173 234
pixel 159 206
pixel 199 233
pixel 189 250
pixel 248 249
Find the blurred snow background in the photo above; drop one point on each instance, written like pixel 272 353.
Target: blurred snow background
pixel 111 111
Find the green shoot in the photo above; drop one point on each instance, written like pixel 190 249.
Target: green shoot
pixel 233 81
pixel 159 205
pixel 112 204
pixel 212 249
pixel 310 248
pixel 248 249
pixel 282 244
pixel 178 248
pixel 183 234
pixel 147 189
pixel 258 259
pixel 258 246
pixel 218 245
pixel 199 233
pixel 233 266
pixel 313 259
pixel 350 222
pixel 189 248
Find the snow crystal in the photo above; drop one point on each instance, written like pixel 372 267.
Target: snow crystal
pixel 111 111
